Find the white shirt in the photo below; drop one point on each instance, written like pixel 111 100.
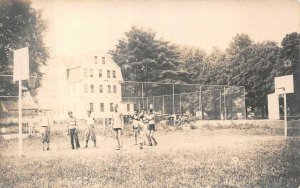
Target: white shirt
pixel 44 122
pixel 90 120
pixel 117 120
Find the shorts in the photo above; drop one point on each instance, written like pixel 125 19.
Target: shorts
pixel 46 134
pixel 90 133
pixel 151 127
pixel 116 129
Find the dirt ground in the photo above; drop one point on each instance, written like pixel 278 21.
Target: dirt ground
pixel 203 157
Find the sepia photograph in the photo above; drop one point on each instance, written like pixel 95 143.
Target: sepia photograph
pixel 150 93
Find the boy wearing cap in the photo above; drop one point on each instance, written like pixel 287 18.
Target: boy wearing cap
pixel 72 127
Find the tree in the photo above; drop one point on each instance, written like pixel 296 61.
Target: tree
pixel 250 64
pixel 20 26
pixel 193 63
pixel 290 51
pixel 144 58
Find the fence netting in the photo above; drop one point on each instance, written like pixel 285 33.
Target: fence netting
pixel 205 102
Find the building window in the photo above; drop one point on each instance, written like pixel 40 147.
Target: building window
pixel 85 72
pixel 100 73
pixel 91 73
pixel 108 73
pixel 103 60
pixel 95 59
pixel 85 88
pixel 109 89
pixel 114 74
pixel 128 107
pixel 101 88
pixel 101 107
pixel 115 89
pixel 92 88
pixel 91 106
pixel 111 107
pixel 135 106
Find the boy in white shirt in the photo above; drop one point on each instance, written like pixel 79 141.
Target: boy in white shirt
pixel 90 132
pixel 117 125
pixel 45 129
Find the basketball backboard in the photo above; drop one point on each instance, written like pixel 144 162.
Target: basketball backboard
pixel 284 84
pixel 21 64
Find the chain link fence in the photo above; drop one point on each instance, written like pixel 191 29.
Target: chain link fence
pixel 205 102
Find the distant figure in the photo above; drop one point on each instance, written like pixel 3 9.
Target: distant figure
pixel 90 130
pixel 31 127
pixel 45 132
pixel 134 120
pixel 151 127
pixel 117 125
pixel 138 128
pixel 72 128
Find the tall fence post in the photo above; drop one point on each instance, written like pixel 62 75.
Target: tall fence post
pixel 173 105
pixel 245 107
pixel 200 102
pixel 163 104
pixel 221 104
pixel 143 95
pixel 225 110
pixel 180 104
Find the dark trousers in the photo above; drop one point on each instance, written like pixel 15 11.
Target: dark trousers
pixel 74 138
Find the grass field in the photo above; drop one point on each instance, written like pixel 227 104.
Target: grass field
pixel 252 154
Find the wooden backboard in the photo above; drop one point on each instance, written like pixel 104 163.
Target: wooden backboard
pixel 284 84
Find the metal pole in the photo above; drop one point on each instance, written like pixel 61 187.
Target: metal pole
pixel 153 103
pixel 147 103
pixel 180 104
pixel 163 103
pixel 20 117
pixel 143 95
pixel 173 106
pixel 285 116
pixel 200 102
pixel 221 104
pixel 225 111
pixel 245 107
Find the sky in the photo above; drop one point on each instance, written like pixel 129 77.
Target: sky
pixel 76 27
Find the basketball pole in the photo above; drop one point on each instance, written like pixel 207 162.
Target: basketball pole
pixel 285 115
pixel 20 117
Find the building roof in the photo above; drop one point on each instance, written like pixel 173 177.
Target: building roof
pixel 79 60
pixel 13 105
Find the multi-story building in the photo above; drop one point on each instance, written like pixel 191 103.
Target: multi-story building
pixel 92 82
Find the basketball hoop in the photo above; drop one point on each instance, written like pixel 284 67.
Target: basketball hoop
pixel 32 81
pixel 287 63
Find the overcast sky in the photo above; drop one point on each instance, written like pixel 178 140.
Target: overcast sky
pixel 77 27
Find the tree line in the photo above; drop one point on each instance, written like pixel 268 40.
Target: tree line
pixel 145 58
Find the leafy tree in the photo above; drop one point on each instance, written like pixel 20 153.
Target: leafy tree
pixel 20 26
pixel 193 63
pixel 290 51
pixel 144 58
